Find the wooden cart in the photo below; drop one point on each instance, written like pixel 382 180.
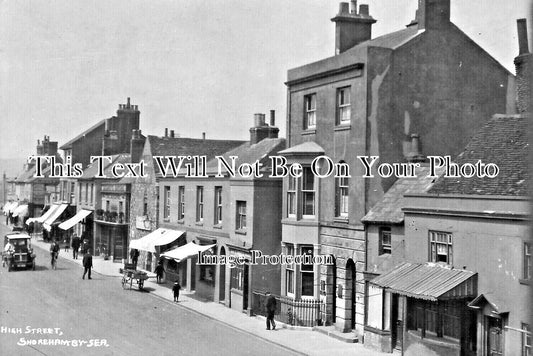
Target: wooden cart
pixel 130 274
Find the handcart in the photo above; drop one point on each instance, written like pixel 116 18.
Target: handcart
pixel 130 274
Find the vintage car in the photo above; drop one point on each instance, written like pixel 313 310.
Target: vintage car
pixel 19 253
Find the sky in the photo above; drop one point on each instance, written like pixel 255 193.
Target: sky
pixel 191 66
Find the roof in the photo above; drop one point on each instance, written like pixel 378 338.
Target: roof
pixel 18 236
pixel 68 145
pixel 490 299
pixel 503 141
pixel 91 171
pixel 389 208
pixel 247 153
pixel 175 146
pixel 309 147
pixel 355 54
pixel 428 281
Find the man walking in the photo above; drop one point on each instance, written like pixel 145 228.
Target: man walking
pixel 270 305
pixel 75 246
pixel 159 270
pixel 87 264
pixel 54 252
pixel 134 254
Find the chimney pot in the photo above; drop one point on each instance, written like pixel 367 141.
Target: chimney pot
pixel 272 117
pixel 166 132
pixel 128 104
pixel 259 120
pixel 354 7
pixel 523 46
pixel 172 133
pixel 344 8
pixel 363 10
pixel 203 135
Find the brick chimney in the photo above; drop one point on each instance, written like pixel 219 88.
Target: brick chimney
pixel 415 155
pixel 432 14
pixel 352 28
pixel 261 130
pixel 136 145
pixel 523 65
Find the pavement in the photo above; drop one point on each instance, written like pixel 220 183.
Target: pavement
pixel 304 341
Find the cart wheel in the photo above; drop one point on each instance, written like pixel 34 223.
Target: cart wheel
pixel 141 284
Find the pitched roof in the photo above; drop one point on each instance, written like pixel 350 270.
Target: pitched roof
pixel 389 208
pixel 309 147
pixel 428 281
pixel 247 153
pixel 91 171
pixel 502 140
pixel 175 146
pixel 68 145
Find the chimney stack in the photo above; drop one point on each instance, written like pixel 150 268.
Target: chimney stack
pixel 352 28
pixel 171 133
pixel 166 132
pixel 261 130
pixel 523 66
pixel 203 135
pixel 136 146
pixel 432 14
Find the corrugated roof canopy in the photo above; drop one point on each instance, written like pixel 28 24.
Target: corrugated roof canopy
pixel 428 281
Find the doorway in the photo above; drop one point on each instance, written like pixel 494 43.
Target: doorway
pixel 494 336
pixel 350 288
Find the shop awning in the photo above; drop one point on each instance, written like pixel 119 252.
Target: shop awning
pixel 183 252
pixel 428 281
pixel 47 224
pixel 21 211
pixel 45 216
pixel 80 215
pixel 10 207
pixel 159 237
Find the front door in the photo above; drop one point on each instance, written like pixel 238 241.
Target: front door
pixel 396 325
pixel 494 336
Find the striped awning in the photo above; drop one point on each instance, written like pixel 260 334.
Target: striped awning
pixel 45 216
pixel 430 281
pixel 80 215
pixel 47 224
pixel 158 237
pixel 21 211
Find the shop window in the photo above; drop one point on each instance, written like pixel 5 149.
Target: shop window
pixel 181 202
pixel 527 260
pixel 291 196
pixel 341 197
pixel 307 273
pixel 218 205
pixel 438 319
pixel 207 273
pixel 440 247
pixel 343 106
pixel 199 204
pixel 166 201
pixel 385 240
pixel 240 223
pixel 237 277
pixel 310 111
pixel 289 271
pixel 308 192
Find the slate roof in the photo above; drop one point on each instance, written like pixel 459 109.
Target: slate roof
pixel 389 208
pixel 428 281
pixel 92 170
pixel 502 140
pixel 176 146
pixel 247 153
pixel 68 145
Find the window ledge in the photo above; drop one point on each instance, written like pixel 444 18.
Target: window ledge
pixel 166 219
pixel 526 282
pixel 309 132
pixel 182 221
pixel 217 226
pixel 340 219
pixel 240 232
pixel 236 291
pixel 343 127
pixel 199 223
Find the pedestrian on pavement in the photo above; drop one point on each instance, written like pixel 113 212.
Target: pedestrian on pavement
pixel 66 244
pixel 75 246
pixel 134 254
pixel 85 246
pixel 159 270
pixel 54 252
pixel 176 289
pixel 270 305
pixel 87 264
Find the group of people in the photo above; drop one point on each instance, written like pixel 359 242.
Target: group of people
pixel 87 261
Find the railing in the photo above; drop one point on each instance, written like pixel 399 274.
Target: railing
pixel 305 312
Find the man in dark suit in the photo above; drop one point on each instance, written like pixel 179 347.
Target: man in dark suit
pixel 270 305
pixel 87 264
pixel 76 242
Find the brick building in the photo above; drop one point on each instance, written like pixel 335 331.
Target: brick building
pixel 429 80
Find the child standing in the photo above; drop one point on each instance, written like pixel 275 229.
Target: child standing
pixel 176 289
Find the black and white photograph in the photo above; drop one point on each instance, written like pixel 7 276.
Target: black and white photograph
pixel 282 177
